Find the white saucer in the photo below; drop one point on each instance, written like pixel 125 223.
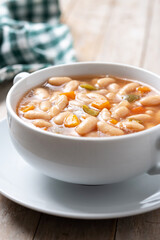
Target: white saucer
pixel 24 185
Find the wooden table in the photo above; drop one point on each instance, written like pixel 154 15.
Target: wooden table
pixel 103 30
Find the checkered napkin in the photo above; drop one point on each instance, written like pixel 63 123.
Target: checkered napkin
pixel 32 37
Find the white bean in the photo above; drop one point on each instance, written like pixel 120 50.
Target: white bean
pixel 102 91
pixel 150 112
pixel 60 117
pixel 124 103
pixel 55 95
pixel 92 134
pixel 41 123
pixel 141 117
pixel 133 125
pixel 150 100
pixel 111 96
pixel 54 110
pixel 105 114
pixel 37 115
pixel 151 108
pixel 41 92
pixel 120 112
pixel 88 125
pixel 113 87
pixel 83 98
pixel 45 106
pixel 96 96
pixel 130 87
pixel 57 81
pixel 84 116
pixel 71 86
pixel 60 104
pixel 108 129
pixel 104 82
pixel 74 103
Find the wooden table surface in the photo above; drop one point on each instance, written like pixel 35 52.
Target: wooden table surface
pixel 103 30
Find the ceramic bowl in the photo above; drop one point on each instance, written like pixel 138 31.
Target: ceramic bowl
pixel 78 159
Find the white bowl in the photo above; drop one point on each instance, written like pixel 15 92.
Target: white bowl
pixel 83 160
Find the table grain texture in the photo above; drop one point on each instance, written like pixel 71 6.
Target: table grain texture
pixel 125 31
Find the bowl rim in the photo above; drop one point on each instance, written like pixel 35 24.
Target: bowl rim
pixel 78 138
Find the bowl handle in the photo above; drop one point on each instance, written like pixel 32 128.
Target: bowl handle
pixel 155 170
pixel 20 76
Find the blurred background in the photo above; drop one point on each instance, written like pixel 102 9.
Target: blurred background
pixel 115 30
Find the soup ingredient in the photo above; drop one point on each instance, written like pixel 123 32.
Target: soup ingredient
pixel 88 87
pixel 60 104
pixel 69 94
pixel 42 123
pixel 27 108
pixel 83 98
pixel 133 119
pixel 57 81
pixel 90 111
pixel 104 82
pixel 101 104
pixel 41 92
pixel 88 125
pixel 108 129
pixel 71 86
pixel 37 115
pixel 141 117
pixel 131 97
pixel 150 100
pixel 120 112
pixel 138 110
pixel 71 121
pixel 105 114
pixel 128 88
pixel 45 106
pixel 113 121
pixel 133 125
pixel 144 89
pixel 59 119
pixel 113 87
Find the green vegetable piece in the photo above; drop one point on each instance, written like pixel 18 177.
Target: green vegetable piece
pixel 90 111
pixel 131 97
pixel 88 87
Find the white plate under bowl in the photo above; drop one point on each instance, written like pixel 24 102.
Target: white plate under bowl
pixel 26 186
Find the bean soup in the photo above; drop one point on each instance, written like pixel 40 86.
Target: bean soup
pixel 91 106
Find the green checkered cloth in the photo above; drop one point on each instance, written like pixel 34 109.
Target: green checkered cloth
pixel 32 37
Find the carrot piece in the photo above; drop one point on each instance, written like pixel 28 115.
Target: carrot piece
pixel 144 89
pixel 69 94
pixel 138 110
pixel 27 108
pixel 71 121
pixel 101 104
pixel 113 121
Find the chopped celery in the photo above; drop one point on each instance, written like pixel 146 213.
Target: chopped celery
pixel 131 97
pixel 90 111
pixel 88 87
